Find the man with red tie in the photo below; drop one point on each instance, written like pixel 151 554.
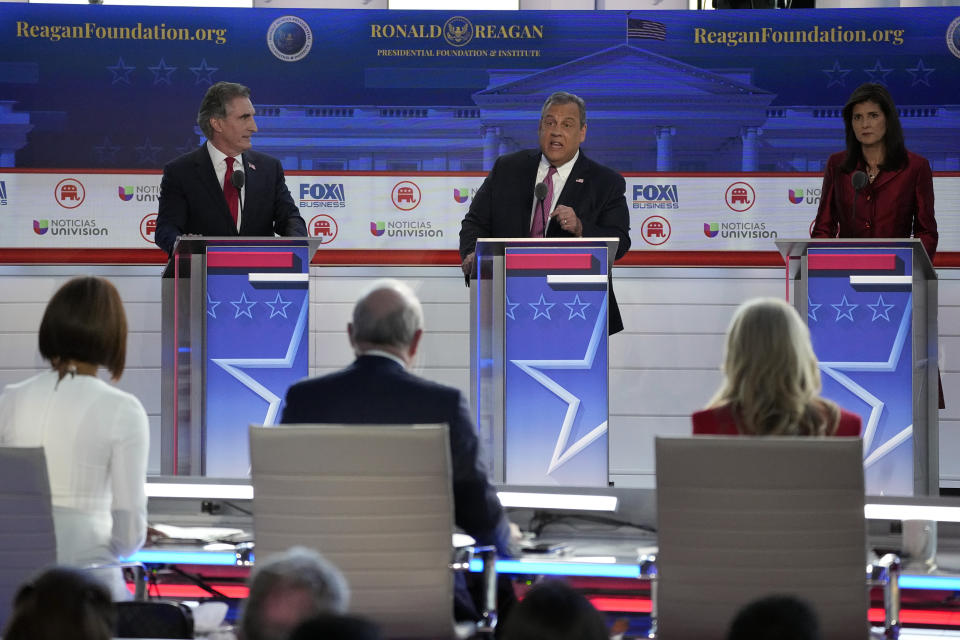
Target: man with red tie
pixel 223 188
pixel 554 191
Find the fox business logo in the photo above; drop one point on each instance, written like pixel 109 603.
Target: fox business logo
pixel 656 196
pixel 329 196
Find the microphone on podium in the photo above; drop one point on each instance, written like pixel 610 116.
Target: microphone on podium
pixel 859 181
pixel 237 179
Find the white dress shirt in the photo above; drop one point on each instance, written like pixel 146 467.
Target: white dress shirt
pixel 95 438
pixel 559 180
pixel 219 160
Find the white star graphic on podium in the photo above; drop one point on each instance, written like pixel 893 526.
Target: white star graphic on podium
pixel 561 452
pixel 231 366
pixel 833 369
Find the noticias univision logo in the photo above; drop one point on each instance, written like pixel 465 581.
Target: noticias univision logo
pixel 711 229
pixel 461 195
pixel 40 227
pixel 795 195
pixel 125 193
pixel 377 228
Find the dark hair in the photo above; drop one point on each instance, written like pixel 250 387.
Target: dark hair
pixel 330 626
pixel 85 322
pixel 895 152
pixel 62 603
pixel 780 617
pixel 552 610
pixel 214 103
pixel 563 97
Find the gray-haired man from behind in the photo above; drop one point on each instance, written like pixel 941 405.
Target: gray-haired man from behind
pixel 288 588
pixel 377 388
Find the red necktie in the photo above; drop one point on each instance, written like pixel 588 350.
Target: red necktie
pixel 230 192
pixel 542 212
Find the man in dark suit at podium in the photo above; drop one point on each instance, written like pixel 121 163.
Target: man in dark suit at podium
pixel 223 188
pixel 578 197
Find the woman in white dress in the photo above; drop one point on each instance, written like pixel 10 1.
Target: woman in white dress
pixel 95 436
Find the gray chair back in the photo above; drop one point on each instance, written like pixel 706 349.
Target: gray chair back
pixel 740 518
pixel 376 500
pixel 27 539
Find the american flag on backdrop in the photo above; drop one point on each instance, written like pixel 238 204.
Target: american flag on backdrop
pixel 639 29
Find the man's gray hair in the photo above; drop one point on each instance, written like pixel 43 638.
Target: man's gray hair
pixel 214 104
pixel 297 568
pixel 562 97
pixel 387 314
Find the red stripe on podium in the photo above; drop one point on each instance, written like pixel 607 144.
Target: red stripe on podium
pixel 851 262
pixel 163 590
pixel 551 261
pixel 250 259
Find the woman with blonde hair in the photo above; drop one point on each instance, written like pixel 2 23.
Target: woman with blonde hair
pixel 771 381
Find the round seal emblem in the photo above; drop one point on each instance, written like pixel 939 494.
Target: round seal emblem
pixel 289 38
pixel 953 37
pixel 457 31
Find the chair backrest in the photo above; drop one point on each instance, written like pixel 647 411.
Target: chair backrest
pixel 740 518
pixel 376 500
pixel 27 539
pixel 154 619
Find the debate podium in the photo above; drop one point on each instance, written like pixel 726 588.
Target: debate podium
pixel 538 358
pixel 235 336
pixel 871 306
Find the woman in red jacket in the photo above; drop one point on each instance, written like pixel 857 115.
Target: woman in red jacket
pixel 876 188
pixel 771 381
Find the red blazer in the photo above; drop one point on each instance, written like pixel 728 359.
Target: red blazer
pixel 720 421
pixel 898 204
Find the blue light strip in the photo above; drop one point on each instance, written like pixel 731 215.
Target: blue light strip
pixel 514 567
pixel 564 568
pixel 940 583
pixel 156 556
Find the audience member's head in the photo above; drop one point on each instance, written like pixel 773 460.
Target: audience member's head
pixel 62 603
pixel 775 618
pixel 286 589
pixel 553 610
pixel 84 325
pixel 387 317
pixel 771 379
pixel 331 626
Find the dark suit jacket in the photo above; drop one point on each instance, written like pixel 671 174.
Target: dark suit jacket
pixel 502 206
pixel 378 390
pixel 898 204
pixel 720 421
pixel 192 201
